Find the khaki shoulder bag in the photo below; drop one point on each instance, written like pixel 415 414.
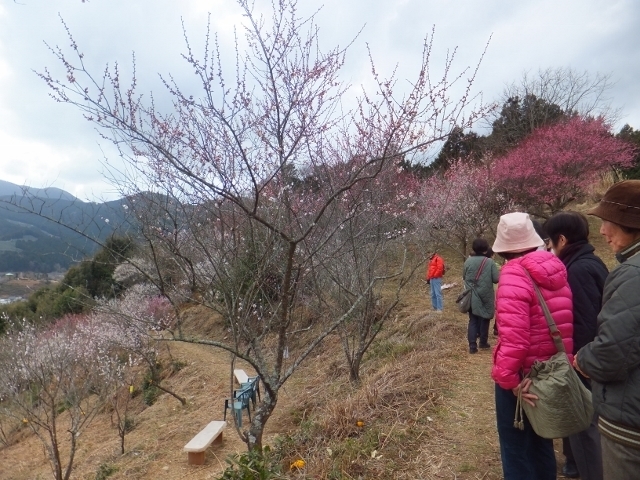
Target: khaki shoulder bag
pixel 564 404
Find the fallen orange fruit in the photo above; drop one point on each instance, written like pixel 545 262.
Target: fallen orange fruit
pixel 297 465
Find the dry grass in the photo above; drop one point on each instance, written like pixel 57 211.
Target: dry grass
pixel 598 190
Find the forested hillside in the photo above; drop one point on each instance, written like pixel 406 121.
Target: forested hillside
pixel 46 230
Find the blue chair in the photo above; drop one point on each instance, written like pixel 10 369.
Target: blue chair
pixel 245 395
pixel 240 401
pixel 251 388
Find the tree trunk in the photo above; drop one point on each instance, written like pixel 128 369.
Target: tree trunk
pixel 354 367
pixel 259 420
pixel 55 452
pixel 72 454
pixel 123 432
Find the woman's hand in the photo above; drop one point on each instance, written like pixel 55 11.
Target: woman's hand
pixel 577 367
pixel 526 396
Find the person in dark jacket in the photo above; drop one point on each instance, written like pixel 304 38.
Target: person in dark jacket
pixel 482 294
pixel 568 234
pixel 612 359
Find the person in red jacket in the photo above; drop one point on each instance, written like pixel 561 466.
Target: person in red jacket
pixel 524 339
pixel 435 272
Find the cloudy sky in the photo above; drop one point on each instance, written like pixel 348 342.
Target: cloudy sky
pixel 44 143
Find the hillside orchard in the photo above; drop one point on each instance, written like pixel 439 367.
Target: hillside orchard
pixel 56 379
pixel 265 200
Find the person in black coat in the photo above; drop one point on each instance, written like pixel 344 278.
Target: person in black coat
pixel 568 234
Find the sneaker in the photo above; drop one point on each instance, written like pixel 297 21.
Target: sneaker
pixel 485 345
pixel 570 470
pixel 473 349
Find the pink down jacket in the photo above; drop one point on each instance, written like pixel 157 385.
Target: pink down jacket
pixel 523 332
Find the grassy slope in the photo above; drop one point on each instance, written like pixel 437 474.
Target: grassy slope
pixel 426 404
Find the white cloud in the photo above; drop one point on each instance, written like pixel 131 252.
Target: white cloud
pixel 33 162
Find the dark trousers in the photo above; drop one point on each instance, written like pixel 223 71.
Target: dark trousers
pixel 478 327
pixel 619 461
pixel 566 451
pixel 525 455
pixel 586 451
pixel 583 449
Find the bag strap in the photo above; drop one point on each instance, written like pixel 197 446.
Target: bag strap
pixel 553 329
pixel 475 280
pixel 484 260
pixel 518 421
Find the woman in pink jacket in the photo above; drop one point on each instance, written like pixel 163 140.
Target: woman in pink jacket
pixel 524 338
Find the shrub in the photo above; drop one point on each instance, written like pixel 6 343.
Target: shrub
pixel 177 365
pixel 105 470
pixel 150 392
pixel 253 465
pixel 129 424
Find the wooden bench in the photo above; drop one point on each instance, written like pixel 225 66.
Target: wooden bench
pixel 212 433
pixel 241 376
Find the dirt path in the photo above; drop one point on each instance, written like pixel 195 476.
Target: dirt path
pixel 467 420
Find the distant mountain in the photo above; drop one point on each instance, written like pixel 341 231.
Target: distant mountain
pixel 8 189
pixel 33 242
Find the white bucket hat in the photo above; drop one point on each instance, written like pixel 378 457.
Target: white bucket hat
pixel 516 234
